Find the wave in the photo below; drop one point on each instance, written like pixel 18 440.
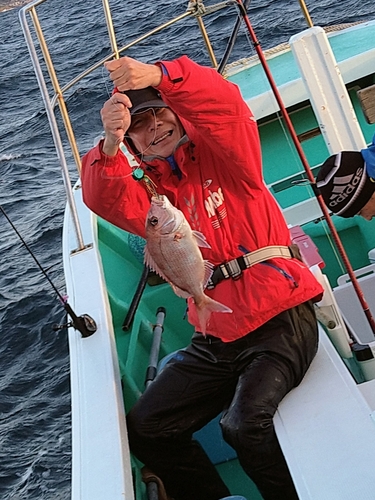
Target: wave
pixel 9 156
pixel 6 5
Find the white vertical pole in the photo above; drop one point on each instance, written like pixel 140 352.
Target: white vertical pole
pixel 328 95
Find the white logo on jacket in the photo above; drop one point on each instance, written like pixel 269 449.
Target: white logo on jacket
pixel 214 205
pixel 213 201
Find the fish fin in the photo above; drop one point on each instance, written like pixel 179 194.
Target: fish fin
pixel 205 308
pixel 208 272
pixel 180 292
pixel 201 239
pixel 149 261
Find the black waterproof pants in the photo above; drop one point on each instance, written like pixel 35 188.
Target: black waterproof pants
pixel 246 378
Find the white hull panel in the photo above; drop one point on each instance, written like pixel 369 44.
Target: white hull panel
pixel 101 462
pixel 327 432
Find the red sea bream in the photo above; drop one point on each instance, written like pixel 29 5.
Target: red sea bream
pixel 172 251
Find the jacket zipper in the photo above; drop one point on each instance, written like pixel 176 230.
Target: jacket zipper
pixel 283 272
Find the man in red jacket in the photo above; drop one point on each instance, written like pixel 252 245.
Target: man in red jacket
pixel 196 139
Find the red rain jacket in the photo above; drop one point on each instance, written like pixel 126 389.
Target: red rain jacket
pixel 221 192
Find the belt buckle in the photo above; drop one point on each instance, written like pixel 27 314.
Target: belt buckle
pixel 233 269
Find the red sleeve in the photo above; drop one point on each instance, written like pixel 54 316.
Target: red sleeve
pixel 110 191
pixel 215 108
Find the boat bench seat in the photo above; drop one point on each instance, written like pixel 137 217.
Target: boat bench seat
pixel 327 432
pixel 210 436
pixel 350 305
pixel 303 212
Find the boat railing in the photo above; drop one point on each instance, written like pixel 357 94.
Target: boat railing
pixel 33 31
pixel 34 36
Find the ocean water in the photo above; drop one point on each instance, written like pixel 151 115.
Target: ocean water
pixel 35 430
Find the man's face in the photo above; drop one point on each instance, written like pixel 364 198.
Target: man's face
pixel 155 131
pixel 368 211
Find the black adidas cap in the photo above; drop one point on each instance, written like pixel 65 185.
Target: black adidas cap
pixel 344 184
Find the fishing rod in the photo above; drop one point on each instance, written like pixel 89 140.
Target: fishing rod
pixel 306 166
pixel 136 299
pixel 84 323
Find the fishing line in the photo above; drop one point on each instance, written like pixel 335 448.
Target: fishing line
pixel 310 194
pixel 142 153
pixel 84 324
pixel 139 154
pixel 327 233
pixel 106 82
pixel 333 247
pixel 110 95
pixel 287 138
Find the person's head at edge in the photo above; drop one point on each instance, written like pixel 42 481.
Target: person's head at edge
pixel 345 186
pixel 155 129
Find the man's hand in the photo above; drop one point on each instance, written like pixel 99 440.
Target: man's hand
pixel 130 74
pixel 115 116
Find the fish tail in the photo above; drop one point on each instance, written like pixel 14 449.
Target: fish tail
pixel 205 308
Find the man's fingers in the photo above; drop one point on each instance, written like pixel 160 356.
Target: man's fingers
pixel 116 116
pixel 121 72
pixel 130 74
pixel 116 124
pixel 114 121
pixel 119 98
pixel 117 73
pixel 114 64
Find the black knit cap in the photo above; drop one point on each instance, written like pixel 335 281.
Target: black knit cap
pixel 144 99
pixel 344 184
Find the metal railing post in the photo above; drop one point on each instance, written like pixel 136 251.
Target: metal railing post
pixel 56 87
pixel 54 128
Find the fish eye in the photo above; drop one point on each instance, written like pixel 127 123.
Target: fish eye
pixel 153 221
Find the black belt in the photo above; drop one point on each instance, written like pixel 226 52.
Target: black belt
pixel 233 269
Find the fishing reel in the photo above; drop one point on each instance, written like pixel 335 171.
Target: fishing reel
pixel 85 324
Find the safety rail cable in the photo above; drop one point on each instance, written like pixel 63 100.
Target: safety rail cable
pixel 56 87
pixel 51 119
pixel 195 9
pixel 189 13
pixel 121 50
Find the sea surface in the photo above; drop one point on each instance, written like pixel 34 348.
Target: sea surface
pixel 35 428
